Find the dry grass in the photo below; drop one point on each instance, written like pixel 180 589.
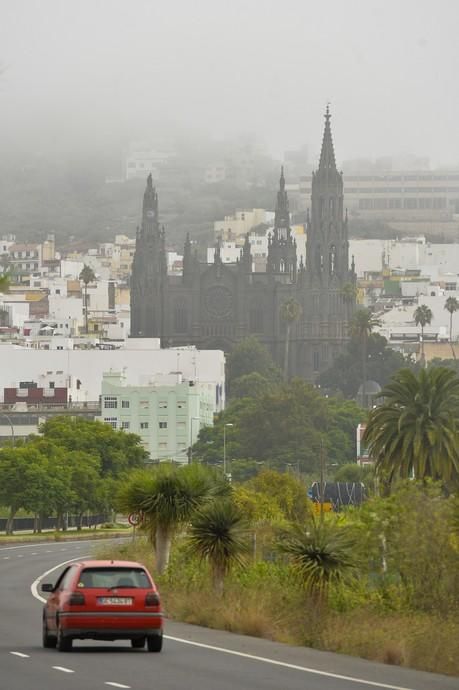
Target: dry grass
pixel 262 604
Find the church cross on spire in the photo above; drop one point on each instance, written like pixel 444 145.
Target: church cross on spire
pixel 327 154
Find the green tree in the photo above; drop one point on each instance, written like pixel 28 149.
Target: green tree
pixel 87 276
pixel 290 313
pixel 360 327
pixel 345 374
pixel 451 306
pixel 249 356
pixel 117 451
pixel 413 433
pixel 250 386
pixel 218 534
pixel 422 317
pixel 19 468
pixel 321 552
pixel 167 497
pixel 4 282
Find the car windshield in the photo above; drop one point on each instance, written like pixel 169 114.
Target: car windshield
pixel 113 578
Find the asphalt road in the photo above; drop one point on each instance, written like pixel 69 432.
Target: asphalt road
pixel 193 658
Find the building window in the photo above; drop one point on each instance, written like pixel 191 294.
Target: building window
pixel 144 425
pixel 162 405
pixel 316 361
pixel 125 425
pixel 162 445
pixel 112 421
pixel 181 404
pixel 125 404
pixel 51 384
pixel 110 401
pixel 144 404
pixel 163 425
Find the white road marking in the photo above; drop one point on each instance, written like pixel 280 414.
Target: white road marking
pixel 284 664
pixel 48 544
pixel 34 553
pixel 63 549
pixel 35 583
pixel 63 669
pixel 23 656
pixel 6 558
pixel 20 555
pixel 116 685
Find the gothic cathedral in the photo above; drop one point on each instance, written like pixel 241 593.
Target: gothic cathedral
pixel 213 306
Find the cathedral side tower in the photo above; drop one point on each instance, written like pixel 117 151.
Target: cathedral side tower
pixel 149 271
pixel 282 246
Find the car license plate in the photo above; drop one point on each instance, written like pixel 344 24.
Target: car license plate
pixel 115 601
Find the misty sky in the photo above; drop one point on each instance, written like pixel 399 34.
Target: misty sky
pixel 96 72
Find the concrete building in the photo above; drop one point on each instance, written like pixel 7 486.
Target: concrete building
pixel 142 358
pixel 167 412
pixel 240 223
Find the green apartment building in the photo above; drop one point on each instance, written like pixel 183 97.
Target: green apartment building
pixel 167 413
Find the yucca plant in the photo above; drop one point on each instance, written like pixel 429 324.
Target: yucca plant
pixel 167 496
pixel 321 552
pixel 218 535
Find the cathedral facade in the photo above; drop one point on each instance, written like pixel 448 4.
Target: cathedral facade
pixel 213 306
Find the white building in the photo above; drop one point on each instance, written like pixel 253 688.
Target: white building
pixel 142 358
pixel 167 412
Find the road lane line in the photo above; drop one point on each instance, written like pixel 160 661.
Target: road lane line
pixel 35 583
pixel 284 664
pixel 56 544
pixel 20 654
pixel 34 553
pixel 116 685
pixel 63 669
pixel 20 555
pixel 6 558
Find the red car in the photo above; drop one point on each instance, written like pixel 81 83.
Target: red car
pixel 103 600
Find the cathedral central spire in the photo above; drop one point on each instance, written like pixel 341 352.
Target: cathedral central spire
pixel 327 154
pixel 150 206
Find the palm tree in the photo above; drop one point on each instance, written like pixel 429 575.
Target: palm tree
pixel 451 305
pixel 422 317
pixel 413 433
pixel 349 294
pixel 166 497
pixel 321 552
pixel 218 534
pixel 360 328
pixel 87 275
pixel 290 312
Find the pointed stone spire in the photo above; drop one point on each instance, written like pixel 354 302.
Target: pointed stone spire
pixel 150 207
pixel 282 216
pixel 327 154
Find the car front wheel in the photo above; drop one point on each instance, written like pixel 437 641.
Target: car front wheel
pixel 49 641
pixel 64 644
pixel 155 643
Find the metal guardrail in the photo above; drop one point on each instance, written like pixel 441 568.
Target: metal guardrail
pixel 29 523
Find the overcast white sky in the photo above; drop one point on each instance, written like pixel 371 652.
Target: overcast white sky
pixel 95 70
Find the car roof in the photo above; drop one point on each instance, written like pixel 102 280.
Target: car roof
pixel 109 564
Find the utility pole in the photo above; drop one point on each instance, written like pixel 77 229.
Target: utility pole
pixel 322 478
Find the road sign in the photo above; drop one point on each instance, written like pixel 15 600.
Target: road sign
pixel 135 519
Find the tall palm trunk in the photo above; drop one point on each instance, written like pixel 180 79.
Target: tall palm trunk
pixel 9 522
pixel 286 350
pixel 86 308
pixel 423 361
pixel 364 370
pixel 163 542
pixel 451 334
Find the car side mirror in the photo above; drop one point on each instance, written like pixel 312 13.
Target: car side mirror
pixel 47 587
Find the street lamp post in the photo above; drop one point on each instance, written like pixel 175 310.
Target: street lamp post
pixel 224 446
pixel 8 418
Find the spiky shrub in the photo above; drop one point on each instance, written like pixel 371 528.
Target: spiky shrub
pixel 218 534
pixel 322 553
pixel 167 496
